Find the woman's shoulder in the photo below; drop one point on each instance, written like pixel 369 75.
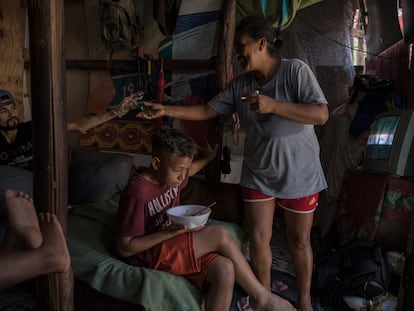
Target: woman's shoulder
pixel 294 67
pixel 293 62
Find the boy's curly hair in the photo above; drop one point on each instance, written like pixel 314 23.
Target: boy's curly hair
pixel 167 141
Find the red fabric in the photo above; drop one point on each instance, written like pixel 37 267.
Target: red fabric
pixel 366 205
pixel 143 205
pixel 160 91
pixel 142 210
pixel 252 195
pixel 392 213
pixel 300 205
pixel 364 193
pixel 177 256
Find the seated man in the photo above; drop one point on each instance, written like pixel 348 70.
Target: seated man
pixel 16 137
pixel 33 245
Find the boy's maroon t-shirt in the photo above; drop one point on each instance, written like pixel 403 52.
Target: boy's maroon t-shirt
pixel 143 205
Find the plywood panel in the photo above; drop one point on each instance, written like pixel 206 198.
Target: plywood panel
pixel 11 49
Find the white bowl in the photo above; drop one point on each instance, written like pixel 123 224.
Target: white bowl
pixel 180 215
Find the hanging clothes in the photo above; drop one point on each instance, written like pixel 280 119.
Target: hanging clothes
pixel 281 12
pixel 165 12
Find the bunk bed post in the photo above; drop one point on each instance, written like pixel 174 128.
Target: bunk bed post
pixel 223 66
pixel 47 71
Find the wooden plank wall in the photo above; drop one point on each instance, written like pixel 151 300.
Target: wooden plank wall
pixel 12 49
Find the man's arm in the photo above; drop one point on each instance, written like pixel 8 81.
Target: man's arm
pixel 88 122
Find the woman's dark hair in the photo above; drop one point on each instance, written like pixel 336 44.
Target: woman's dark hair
pixel 167 141
pixel 257 27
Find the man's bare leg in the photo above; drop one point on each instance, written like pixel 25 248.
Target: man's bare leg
pixel 34 244
pixel 52 256
pixel 23 230
pixel 54 243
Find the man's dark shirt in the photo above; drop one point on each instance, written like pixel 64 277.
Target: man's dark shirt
pixel 20 152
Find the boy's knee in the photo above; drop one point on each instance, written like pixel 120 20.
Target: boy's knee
pixel 224 266
pixel 219 230
pixel 221 235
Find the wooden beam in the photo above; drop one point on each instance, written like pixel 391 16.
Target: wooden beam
pixel 225 44
pixel 223 66
pixel 55 291
pixel 130 65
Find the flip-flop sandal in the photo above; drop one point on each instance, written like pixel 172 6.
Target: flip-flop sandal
pixel 243 304
pixel 278 286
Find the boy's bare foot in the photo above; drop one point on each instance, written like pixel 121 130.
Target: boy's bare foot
pixel 54 243
pixel 22 224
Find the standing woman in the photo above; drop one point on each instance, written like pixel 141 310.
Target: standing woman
pixel 279 101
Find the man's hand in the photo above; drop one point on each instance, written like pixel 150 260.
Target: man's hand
pixel 128 103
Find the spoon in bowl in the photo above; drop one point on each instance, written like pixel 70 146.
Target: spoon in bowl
pixel 201 211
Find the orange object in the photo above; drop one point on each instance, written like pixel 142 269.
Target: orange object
pixel 160 91
pixel 161 83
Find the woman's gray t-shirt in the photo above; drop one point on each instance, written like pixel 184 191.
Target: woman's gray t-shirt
pixel 281 157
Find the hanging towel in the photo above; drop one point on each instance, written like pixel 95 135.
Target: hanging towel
pixel 281 12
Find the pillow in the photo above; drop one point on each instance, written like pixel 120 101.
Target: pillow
pixel 15 178
pixel 95 176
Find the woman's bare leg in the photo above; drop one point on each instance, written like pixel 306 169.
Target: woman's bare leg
pixel 259 218
pixel 298 232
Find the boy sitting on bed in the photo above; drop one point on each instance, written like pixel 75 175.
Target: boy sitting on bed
pixel 207 256
pixel 32 244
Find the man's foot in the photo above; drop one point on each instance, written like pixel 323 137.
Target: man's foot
pixel 22 223
pixel 54 243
